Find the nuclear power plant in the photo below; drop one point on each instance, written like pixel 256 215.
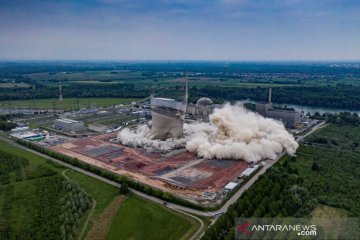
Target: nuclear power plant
pixel 289 117
pixel 202 109
pixel 168 116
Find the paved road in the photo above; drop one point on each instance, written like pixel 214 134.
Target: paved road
pixel 231 201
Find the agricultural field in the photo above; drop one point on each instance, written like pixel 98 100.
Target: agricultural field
pixel 140 219
pixel 323 211
pixel 130 217
pixel 173 78
pixel 90 77
pixel 68 103
pixel 14 85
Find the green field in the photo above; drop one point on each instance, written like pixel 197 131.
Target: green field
pixel 35 159
pixel 136 218
pixel 176 78
pixel 141 219
pixel 96 77
pixel 14 85
pixel 68 103
pixel 102 193
pixel 36 201
pixel 323 211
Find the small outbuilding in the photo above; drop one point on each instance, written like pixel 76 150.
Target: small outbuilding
pixel 230 186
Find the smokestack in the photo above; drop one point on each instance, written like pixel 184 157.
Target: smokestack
pixel 186 89
pixel 270 95
pixel 60 92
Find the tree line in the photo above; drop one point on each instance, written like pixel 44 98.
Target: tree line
pixel 344 96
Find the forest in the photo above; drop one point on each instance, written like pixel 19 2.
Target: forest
pixel 294 186
pixel 5 125
pixel 341 96
pixel 36 202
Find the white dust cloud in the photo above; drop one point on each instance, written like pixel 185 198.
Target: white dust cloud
pixel 232 133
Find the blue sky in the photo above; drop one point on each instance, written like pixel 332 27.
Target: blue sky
pixel 243 30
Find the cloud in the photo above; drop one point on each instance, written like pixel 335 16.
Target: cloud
pixel 180 30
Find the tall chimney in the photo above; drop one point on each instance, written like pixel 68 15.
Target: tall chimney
pixel 269 95
pixel 60 92
pixel 186 89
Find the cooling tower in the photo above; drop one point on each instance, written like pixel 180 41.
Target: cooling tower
pixel 167 118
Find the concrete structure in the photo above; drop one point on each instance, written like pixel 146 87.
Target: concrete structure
pixel 230 186
pixel 249 171
pixel 168 117
pixel 209 195
pixel 60 92
pixel 263 107
pixel 202 109
pixel 141 113
pixel 288 116
pixel 97 127
pixel 20 129
pixel 68 125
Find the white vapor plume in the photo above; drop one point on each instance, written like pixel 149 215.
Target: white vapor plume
pixel 232 133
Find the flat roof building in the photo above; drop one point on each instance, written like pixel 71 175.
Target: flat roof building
pixel 289 117
pixel 247 172
pixel 230 186
pixel 68 125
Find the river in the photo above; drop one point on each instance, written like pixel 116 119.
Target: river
pixel 321 110
pixel 310 109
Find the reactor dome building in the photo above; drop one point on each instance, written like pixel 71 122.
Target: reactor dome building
pixel 168 116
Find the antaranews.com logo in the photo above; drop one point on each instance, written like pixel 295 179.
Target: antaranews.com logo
pixel 297 228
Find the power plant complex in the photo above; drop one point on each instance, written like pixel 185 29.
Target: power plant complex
pixel 289 117
pixel 198 151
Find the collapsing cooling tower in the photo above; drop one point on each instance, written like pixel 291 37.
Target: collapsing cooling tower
pixel 168 117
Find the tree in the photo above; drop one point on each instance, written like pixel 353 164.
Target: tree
pixel 124 189
pixel 315 167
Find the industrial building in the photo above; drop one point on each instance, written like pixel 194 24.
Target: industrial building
pixel 289 117
pixel 20 129
pixel 28 135
pixel 68 125
pixel 97 127
pixel 247 172
pixel 168 116
pixel 202 109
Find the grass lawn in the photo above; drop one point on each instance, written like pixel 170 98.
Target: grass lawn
pixel 323 211
pixel 35 159
pixel 141 219
pixel 68 103
pixel 321 216
pixel 102 193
